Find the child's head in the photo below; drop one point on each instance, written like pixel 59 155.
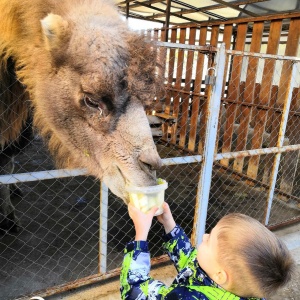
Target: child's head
pixel 244 257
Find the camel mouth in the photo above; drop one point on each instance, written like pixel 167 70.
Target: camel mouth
pixel 148 170
pixel 145 168
pixel 123 176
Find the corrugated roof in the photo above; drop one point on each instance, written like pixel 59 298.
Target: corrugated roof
pixel 195 11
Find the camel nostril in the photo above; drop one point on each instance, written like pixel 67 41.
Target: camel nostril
pixel 148 169
pixel 149 160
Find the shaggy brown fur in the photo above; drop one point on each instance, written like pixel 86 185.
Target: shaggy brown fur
pixel 88 78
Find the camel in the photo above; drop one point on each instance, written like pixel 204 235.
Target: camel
pixel 86 78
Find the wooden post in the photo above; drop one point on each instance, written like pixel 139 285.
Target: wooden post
pixel 233 90
pixel 264 96
pixel 291 49
pixel 171 64
pixel 248 94
pixel 167 22
pixel 291 159
pixel 184 120
pixel 227 36
pixel 176 101
pixel 197 90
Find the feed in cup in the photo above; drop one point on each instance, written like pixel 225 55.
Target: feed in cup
pixel 144 198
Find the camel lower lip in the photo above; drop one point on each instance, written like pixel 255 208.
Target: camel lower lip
pixel 124 178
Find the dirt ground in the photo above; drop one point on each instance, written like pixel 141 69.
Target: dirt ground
pixel 59 237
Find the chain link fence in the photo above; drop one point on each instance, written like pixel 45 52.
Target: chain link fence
pixel 247 160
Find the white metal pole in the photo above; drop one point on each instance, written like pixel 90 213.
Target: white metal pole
pixel 103 228
pixel 285 115
pixel 214 101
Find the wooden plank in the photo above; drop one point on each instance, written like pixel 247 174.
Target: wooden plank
pixel 164 35
pixel 187 87
pixel 166 117
pixel 162 61
pixel 291 160
pixel 239 108
pixel 227 38
pixel 176 101
pixel 258 28
pixel 213 42
pixel 171 63
pixel 291 49
pixel 288 15
pixel 233 90
pixel 295 106
pixel 270 114
pixel 264 96
pixel 197 89
pixel 256 101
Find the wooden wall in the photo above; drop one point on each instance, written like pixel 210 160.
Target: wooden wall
pixel 251 107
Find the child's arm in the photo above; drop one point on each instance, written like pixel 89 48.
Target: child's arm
pixel 135 280
pixel 177 243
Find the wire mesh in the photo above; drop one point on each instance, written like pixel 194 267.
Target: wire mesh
pixel 58 219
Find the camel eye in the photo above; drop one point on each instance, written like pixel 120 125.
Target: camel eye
pixel 103 105
pixel 89 102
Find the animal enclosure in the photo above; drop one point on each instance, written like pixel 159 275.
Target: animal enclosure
pixel 236 140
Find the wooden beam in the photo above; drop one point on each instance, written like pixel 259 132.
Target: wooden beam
pixel 167 24
pixel 137 5
pixel 161 10
pixel 287 15
pixel 208 8
pixel 188 11
pixel 205 10
pixel 247 12
pixel 127 9
pixel 195 9
pixel 234 3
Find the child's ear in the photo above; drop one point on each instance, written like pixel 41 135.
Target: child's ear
pixel 221 277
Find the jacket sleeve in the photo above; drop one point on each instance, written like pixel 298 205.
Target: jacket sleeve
pixel 179 248
pixel 135 280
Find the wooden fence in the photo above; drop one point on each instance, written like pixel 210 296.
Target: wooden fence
pixel 252 103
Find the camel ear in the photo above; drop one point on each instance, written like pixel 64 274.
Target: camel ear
pixel 55 31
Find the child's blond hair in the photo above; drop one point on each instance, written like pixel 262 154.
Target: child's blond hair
pixel 257 261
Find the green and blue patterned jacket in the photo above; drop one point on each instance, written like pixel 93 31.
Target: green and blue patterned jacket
pixel 191 283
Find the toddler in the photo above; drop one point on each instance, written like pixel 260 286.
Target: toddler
pixel 239 259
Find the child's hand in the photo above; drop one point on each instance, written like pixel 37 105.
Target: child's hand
pixel 166 218
pixel 142 221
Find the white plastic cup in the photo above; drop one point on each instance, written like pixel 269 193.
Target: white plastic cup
pixel 146 197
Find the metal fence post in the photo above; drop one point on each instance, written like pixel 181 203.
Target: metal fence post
pixel 203 189
pixel 284 119
pixel 103 228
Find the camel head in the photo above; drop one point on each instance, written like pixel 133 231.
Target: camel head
pixel 93 80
